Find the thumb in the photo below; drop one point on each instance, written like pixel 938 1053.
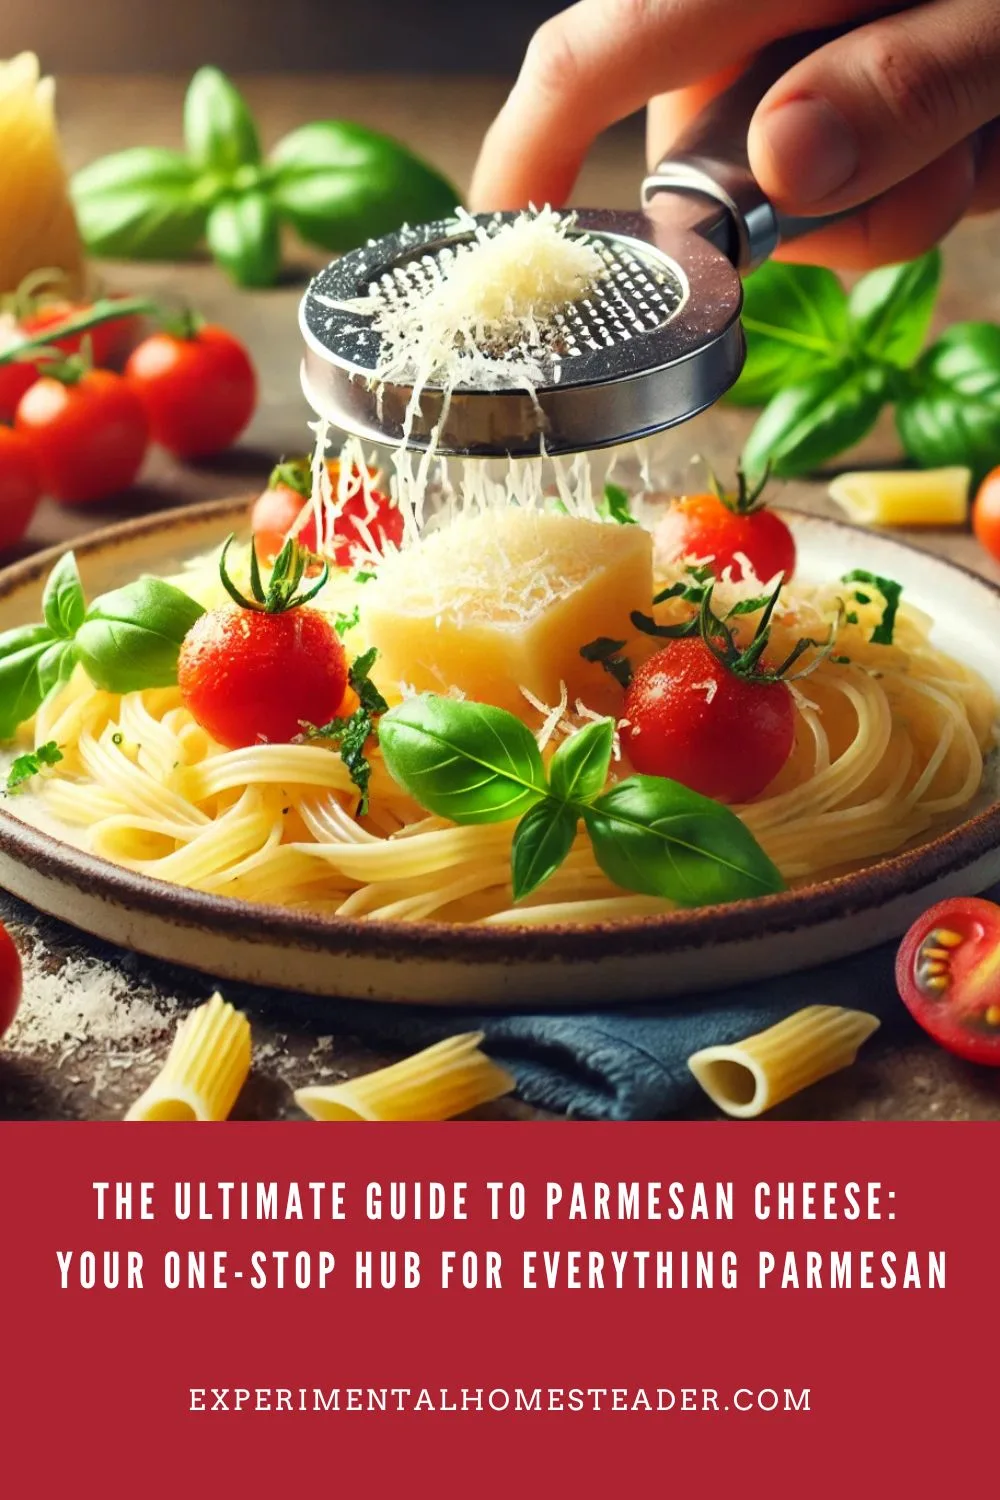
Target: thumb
pixel 875 106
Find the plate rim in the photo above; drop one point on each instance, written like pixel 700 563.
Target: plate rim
pixel 896 876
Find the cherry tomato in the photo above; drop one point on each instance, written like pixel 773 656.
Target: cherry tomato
pixel 690 718
pixel 276 510
pixel 948 975
pixel 10 979
pixel 15 379
pixel 20 485
pixel 90 436
pixel 986 514
pixel 704 526
pixel 246 675
pixel 200 391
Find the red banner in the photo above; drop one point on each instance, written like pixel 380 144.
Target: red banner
pixel 485 1310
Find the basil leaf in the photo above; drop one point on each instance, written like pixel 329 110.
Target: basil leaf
pixel 339 184
pixel 63 603
pixel 243 236
pixel 143 203
pixel 22 637
pixel 465 761
pixel 21 690
pixel 806 425
pixel 131 637
pixel 579 768
pixel 542 840
pixel 218 127
pixel 952 414
pixel 890 309
pixel 656 836
pixel 56 666
pixel 795 322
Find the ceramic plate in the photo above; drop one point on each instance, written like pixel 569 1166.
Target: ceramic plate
pixel 423 962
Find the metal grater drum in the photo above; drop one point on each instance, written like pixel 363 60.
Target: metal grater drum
pixel 656 342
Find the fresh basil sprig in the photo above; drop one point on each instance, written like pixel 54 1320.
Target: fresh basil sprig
pixel 826 362
pixel 126 640
pixel 334 182
pixel 476 764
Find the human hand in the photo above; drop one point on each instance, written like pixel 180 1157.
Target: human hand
pixel 902 110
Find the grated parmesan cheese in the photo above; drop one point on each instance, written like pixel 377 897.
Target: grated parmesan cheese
pixel 484 316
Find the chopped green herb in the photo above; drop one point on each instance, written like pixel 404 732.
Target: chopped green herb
pixel 363 577
pixel 117 738
pixel 607 654
pixel 26 766
pixel 343 623
pixel 892 593
pixel 351 733
pixel 616 506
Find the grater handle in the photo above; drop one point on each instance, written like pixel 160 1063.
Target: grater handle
pixel 710 159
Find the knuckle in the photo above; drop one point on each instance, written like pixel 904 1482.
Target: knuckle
pixel 551 62
pixel 918 88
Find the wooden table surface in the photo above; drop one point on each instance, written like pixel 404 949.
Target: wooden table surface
pixel 49 1077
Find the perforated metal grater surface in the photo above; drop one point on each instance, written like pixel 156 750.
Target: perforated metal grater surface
pixel 620 362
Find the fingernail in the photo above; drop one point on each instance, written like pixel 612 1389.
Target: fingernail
pixel 813 149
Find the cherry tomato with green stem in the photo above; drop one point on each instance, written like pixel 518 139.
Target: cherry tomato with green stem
pixel 725 526
pixel 199 387
pixel 260 668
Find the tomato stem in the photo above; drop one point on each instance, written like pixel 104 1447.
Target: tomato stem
pixel 287 573
pixel 295 474
pixel 105 310
pixel 748 496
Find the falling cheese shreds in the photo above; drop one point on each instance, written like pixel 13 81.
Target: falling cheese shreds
pixel 206 1067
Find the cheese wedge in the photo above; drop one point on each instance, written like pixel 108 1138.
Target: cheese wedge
pixel 503 601
pixel 37 223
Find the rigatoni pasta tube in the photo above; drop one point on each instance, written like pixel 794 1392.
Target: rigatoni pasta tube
pixel 206 1067
pixel 748 1077
pixel 904 497
pixel 442 1081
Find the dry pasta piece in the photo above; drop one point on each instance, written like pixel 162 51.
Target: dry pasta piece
pixel 444 1080
pixel 745 1078
pixel 904 497
pixel 206 1067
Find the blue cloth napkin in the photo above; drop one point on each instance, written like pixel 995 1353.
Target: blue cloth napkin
pixel 630 1062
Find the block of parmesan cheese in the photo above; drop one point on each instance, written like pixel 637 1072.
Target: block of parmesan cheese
pixel 504 600
pixel 37 223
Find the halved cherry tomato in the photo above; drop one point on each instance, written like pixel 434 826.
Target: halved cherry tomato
pixel 719 526
pixel 688 717
pixel 948 976
pixel 289 487
pixel 10 979
pixel 986 513
pixel 200 390
pixel 20 485
pixel 90 434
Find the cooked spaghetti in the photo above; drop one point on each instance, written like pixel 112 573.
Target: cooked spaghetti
pixel 889 742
